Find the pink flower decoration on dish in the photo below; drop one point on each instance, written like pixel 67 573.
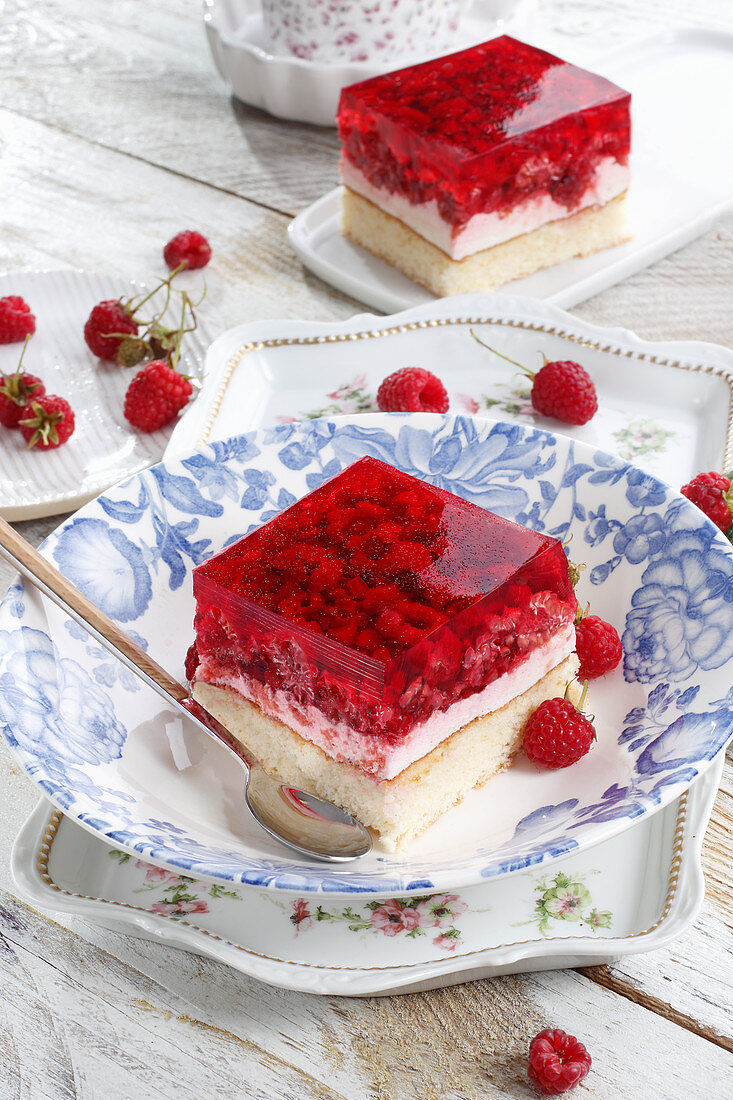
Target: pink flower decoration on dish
pixel 155 875
pixel 441 910
pixel 470 404
pixel 448 943
pixel 192 907
pixel 391 918
pixel 301 915
pixel 358 383
pixel 167 908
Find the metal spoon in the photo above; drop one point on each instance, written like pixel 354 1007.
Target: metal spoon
pixel 308 824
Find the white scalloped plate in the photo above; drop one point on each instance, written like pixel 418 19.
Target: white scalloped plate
pixel 633 893
pixel 308 91
pixel 104 447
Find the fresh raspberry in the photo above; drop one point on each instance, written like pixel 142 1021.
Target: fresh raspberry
pixel 561 388
pixel 189 248
pixel 16 390
pixel 557 1062
pixel 108 325
pixel 557 734
pixel 412 389
pixel 155 395
pixel 48 422
pixel 712 494
pixel 598 647
pixel 16 319
pixel 564 390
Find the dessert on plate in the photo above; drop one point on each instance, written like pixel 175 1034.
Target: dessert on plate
pixel 474 169
pixel 382 642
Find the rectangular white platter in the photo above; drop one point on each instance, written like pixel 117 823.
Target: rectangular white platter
pixel 632 893
pixel 663 406
pixel 681 84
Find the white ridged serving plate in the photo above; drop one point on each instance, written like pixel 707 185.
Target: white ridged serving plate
pixel 104 447
pixel 630 894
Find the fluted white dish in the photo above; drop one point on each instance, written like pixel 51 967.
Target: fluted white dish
pixel 308 91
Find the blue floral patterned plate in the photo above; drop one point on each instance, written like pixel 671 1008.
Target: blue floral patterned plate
pixel 102 748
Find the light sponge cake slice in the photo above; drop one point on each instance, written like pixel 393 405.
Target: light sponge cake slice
pixel 399 809
pixel 390 239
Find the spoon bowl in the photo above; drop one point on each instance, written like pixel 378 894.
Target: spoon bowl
pixel 307 824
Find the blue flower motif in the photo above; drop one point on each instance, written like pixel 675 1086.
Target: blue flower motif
pixel 687 738
pixel 57 714
pixel 681 618
pixel 258 484
pixel 642 537
pixel 106 566
pixel 486 469
pixel 15 600
pixel 644 491
pixel 213 476
pixel 599 526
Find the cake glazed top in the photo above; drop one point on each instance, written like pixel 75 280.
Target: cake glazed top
pixel 376 560
pixel 485 128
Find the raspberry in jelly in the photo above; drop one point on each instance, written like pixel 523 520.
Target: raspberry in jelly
pixel 376 601
pixel 485 130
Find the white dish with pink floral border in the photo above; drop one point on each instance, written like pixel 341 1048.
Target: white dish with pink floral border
pixel 630 894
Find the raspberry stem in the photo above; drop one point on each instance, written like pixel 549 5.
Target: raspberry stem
pixel 163 283
pixel 514 363
pixel 16 374
pixel 20 361
pixel 581 701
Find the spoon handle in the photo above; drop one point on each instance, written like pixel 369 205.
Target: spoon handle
pixel 55 585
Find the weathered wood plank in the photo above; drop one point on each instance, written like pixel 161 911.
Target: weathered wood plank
pixel 154 1017
pixel 134 209
pixel 140 78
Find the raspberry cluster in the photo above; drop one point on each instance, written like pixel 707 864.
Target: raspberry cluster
pixel 44 420
pixel 377 561
pixel 116 332
pixel 561 388
pixel 557 734
pixel 564 391
pixel 598 647
pixel 16 320
pixel 187 249
pixel 557 1062
pixel 412 389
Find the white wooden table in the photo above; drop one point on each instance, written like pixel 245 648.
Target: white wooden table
pixel 115 133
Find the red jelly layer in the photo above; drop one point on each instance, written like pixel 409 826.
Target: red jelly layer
pixel 379 599
pixel 485 129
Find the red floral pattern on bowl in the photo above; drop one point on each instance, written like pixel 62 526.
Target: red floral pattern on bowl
pixel 360 30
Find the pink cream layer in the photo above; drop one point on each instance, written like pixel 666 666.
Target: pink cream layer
pixel 371 754
pixel 485 230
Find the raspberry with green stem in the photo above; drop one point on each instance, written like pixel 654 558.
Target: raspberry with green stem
pixel 561 389
pixel 17 390
pixel 112 331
